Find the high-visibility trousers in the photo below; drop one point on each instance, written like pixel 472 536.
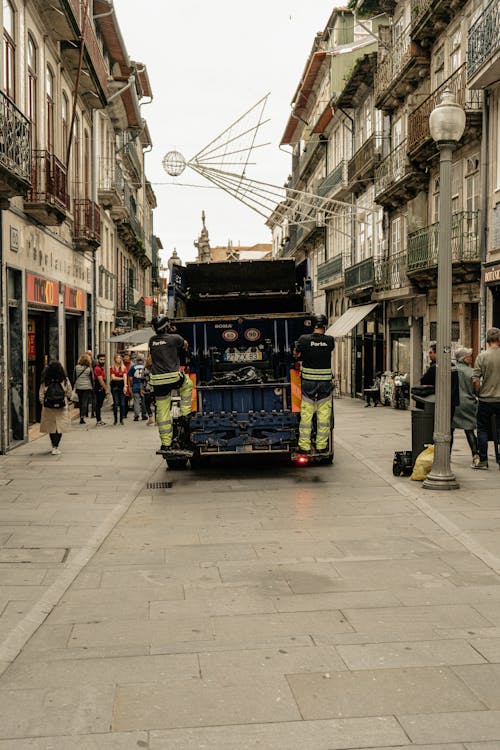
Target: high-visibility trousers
pixel 316 397
pixel 163 385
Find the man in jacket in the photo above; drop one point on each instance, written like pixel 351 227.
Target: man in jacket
pixel 486 382
pixel 315 353
pixel 166 376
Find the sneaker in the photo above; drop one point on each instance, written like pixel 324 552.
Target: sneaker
pixel 367 406
pixel 100 424
pixel 475 459
pixel 82 421
pixel 143 419
pixel 55 452
pixel 150 421
pixel 479 465
pixel 136 419
pixel 121 422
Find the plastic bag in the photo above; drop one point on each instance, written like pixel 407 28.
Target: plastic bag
pixel 423 464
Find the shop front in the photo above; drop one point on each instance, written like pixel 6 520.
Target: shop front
pixel 75 305
pixel 42 335
pixel 492 282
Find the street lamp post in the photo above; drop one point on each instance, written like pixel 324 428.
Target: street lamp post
pixel 447 124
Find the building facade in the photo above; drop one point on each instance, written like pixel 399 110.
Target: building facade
pixel 72 192
pixel 379 273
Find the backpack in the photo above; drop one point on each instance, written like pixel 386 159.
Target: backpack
pixel 54 396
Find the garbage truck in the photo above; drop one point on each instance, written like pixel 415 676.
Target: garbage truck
pixel 241 319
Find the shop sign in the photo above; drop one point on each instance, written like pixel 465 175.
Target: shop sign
pixel 74 298
pixel 492 274
pixel 42 291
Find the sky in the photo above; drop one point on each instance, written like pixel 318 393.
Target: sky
pixel 208 63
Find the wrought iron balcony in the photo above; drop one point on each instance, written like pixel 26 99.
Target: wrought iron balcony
pixel 390 273
pixel 110 182
pixel 335 182
pixel 483 47
pixel 420 143
pixel 430 17
pixel 465 250
pixel 15 150
pixel 360 277
pixel 48 199
pixel 330 271
pixel 396 178
pixel 399 70
pixel 362 165
pixel 87 224
pixel 310 158
pixel 128 225
pixel 125 298
pixel 132 161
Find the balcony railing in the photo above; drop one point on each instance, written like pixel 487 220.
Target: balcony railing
pixel 336 180
pixel 87 226
pixel 129 151
pixel 15 140
pixel 365 157
pixel 361 275
pixel 392 169
pixel 110 175
pixel 418 120
pixel 390 273
pixel 125 297
pixel 484 38
pixel 49 180
pixel 330 270
pixel 393 62
pixel 423 244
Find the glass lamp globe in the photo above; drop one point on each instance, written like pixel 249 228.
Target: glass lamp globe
pixel 447 120
pixel 174 163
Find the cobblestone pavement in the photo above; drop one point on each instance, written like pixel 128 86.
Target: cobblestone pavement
pixel 249 606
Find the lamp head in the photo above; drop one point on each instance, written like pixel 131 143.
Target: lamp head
pixel 447 120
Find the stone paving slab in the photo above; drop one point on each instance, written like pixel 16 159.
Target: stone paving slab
pixel 115 741
pixel 203 703
pixel 381 692
pixel 458 726
pixel 335 734
pixel 409 654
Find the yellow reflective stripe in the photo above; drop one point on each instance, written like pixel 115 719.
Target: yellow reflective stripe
pixel 165 378
pixel 319 371
pixel 326 378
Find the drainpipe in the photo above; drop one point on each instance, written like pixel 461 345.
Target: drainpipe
pixel 483 235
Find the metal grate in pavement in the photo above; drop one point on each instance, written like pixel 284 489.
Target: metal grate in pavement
pixel 159 485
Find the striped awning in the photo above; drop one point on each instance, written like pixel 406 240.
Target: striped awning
pixel 350 319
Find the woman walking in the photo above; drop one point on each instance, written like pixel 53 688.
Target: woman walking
pixel 55 390
pixel 118 378
pixel 465 414
pixel 83 385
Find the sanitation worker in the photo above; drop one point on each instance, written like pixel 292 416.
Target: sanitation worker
pixel 165 377
pixel 315 353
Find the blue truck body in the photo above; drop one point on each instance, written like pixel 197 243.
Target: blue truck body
pixel 241 320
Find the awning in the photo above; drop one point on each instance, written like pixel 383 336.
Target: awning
pixel 350 320
pixel 139 336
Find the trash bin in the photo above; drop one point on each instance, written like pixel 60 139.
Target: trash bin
pixel 422 423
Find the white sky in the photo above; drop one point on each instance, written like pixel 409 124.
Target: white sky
pixel 208 62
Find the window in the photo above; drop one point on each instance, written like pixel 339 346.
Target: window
pixel 65 123
pixel 32 82
pixel 456 187
pixel 435 200
pixel 455 50
pixel 49 93
pixel 438 66
pixel 76 157
pixel 9 60
pixel 86 163
pixel 396 236
pixel 472 183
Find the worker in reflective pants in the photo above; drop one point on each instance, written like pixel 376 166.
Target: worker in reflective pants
pixel 315 353
pixel 165 377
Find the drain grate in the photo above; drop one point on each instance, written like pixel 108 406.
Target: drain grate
pixel 159 485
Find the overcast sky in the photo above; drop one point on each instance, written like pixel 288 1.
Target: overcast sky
pixel 208 62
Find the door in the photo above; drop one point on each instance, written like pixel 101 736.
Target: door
pixel 15 358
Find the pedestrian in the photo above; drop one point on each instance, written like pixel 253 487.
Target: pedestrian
pixel 127 361
pixel 147 390
pixel 373 392
pixel 135 375
pixel 486 382
pixel 165 348
pixel 315 353
pixel 54 394
pixel 100 388
pixel 429 378
pixel 117 382
pixel 92 396
pixel 465 416
pixel 83 384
